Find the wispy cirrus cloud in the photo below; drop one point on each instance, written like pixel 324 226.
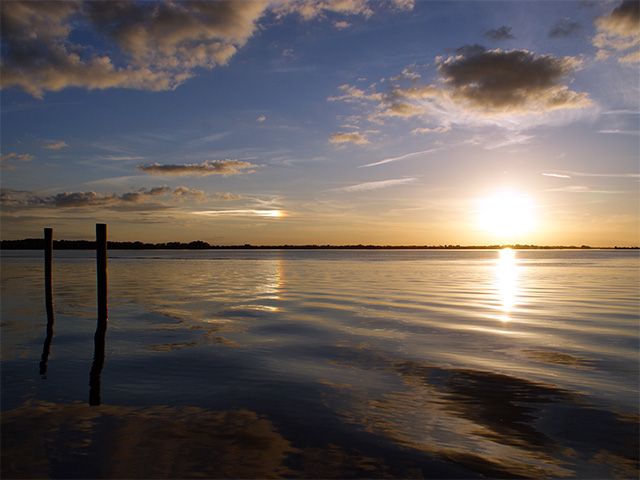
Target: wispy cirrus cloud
pixel 209 167
pixel 556 175
pixel 362 187
pixel 585 189
pixel 621 132
pixel 570 174
pixel 241 213
pixel 402 157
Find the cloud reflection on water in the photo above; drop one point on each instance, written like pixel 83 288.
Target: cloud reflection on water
pixel 409 355
pixel 498 425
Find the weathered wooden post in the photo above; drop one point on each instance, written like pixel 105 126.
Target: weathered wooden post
pixel 48 261
pixel 101 330
pixel 101 258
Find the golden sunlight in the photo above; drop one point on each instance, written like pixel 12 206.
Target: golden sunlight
pixel 241 213
pixel 506 214
pixel 506 277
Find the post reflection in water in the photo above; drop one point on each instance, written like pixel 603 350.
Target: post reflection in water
pixel 507 281
pixel 48 296
pixel 49 337
pixel 98 363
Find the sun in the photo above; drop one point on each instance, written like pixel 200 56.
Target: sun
pixel 506 214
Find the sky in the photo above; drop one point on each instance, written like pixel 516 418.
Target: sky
pixel 322 121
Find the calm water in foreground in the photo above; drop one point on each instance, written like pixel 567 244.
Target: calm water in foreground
pixel 323 364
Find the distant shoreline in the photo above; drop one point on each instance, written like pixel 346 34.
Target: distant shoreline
pixel 38 244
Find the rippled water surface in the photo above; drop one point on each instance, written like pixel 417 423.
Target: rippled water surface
pixel 323 364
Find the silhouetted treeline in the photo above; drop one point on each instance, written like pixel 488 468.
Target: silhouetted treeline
pixel 38 244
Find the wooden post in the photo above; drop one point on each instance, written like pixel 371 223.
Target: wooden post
pixel 101 330
pixel 101 258
pixel 48 261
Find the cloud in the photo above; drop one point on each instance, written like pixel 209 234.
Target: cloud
pixel 402 157
pixel 142 199
pixel 360 187
pixel 569 174
pixel 619 33
pixel 440 129
pixel 311 9
pixel 479 86
pixel 348 137
pixel 55 145
pixel 209 167
pixel 184 192
pixel 354 94
pixel 583 189
pixel 261 118
pixel 621 132
pixel 514 80
pixel 242 213
pixel 497 34
pixel 23 157
pixel 341 25
pixel 564 28
pixel 557 175
pixel 151 45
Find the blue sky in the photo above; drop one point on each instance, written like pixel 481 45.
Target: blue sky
pixel 322 121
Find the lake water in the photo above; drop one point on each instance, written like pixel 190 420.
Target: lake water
pixel 323 364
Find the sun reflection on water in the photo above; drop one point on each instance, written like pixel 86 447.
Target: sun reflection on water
pixel 507 281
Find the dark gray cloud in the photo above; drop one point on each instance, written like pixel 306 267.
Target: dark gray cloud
pixel 210 167
pixel 497 34
pixel 93 199
pixel 509 80
pixel 564 28
pixel 143 199
pixel 475 86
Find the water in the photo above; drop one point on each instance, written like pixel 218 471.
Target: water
pixel 323 364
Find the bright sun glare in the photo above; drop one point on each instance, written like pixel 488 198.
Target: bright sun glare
pixel 506 214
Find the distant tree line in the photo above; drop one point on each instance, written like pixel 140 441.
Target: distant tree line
pixel 38 244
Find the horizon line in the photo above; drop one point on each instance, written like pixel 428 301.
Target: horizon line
pixel 30 244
